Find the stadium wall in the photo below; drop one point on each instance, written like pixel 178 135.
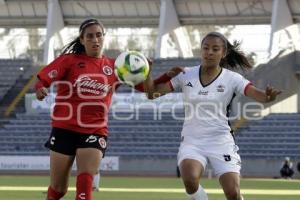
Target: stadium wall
pixel 251 167
pixel 265 168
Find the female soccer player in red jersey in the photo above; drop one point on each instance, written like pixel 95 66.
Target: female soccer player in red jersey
pixel 85 82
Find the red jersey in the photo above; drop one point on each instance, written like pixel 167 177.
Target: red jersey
pixel 85 86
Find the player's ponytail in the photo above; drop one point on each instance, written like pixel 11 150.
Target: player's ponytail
pixel 234 58
pixel 74 47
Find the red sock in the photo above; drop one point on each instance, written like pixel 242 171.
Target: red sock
pixel 53 195
pixel 84 186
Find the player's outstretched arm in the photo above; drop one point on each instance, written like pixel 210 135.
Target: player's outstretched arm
pixel 174 71
pixel 261 96
pixel 164 78
pixel 154 89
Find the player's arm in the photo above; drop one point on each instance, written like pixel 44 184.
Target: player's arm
pixel 164 78
pixel 41 90
pixel 155 89
pixel 261 96
pixel 52 72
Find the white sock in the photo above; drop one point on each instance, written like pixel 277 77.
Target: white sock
pixel 96 180
pixel 199 195
pixel 242 198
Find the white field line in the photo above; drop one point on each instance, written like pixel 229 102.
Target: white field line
pixel 166 190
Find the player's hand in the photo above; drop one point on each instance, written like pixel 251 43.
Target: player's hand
pixel 271 93
pixel 150 62
pixel 175 71
pixel 41 93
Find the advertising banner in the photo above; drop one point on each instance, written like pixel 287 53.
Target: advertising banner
pixel 109 163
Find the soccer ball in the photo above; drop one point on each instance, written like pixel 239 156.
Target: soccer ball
pixel 131 67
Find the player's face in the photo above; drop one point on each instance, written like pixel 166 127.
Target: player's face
pixel 92 40
pixel 212 51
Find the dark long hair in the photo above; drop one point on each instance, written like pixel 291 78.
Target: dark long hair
pixel 235 58
pixel 75 47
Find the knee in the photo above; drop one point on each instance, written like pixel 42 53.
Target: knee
pixel 190 173
pixel 191 184
pixel 233 194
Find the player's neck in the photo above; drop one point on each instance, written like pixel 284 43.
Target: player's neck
pixel 94 55
pixel 210 71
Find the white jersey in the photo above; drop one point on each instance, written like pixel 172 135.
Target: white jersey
pixel 207 106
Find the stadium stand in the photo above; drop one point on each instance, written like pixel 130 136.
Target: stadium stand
pixel 163 65
pixel 275 136
pixel 26 135
pixel 10 72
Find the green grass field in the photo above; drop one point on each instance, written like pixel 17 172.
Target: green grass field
pixel 148 188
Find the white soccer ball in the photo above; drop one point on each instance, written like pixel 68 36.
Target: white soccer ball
pixel 131 67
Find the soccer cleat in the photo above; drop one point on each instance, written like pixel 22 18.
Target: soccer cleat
pixel 95 189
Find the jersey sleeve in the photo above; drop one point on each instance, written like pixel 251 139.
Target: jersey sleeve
pixel 241 84
pixel 54 71
pixel 177 81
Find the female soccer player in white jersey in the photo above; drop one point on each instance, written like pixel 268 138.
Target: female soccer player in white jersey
pixel 208 93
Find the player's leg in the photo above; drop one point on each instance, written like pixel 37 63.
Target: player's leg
pixel 87 160
pixel 230 183
pixel 90 151
pixel 191 171
pixel 62 156
pixel 96 182
pixel 60 168
pixel 191 166
pixel 227 165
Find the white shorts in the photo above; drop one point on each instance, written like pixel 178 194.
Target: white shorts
pixel 223 159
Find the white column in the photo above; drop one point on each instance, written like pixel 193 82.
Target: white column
pixel 55 23
pixel 168 22
pixel 284 34
pixel 182 40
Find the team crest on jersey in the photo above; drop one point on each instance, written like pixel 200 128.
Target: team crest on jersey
pixel 220 88
pixel 102 143
pixel 107 70
pixel 53 74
